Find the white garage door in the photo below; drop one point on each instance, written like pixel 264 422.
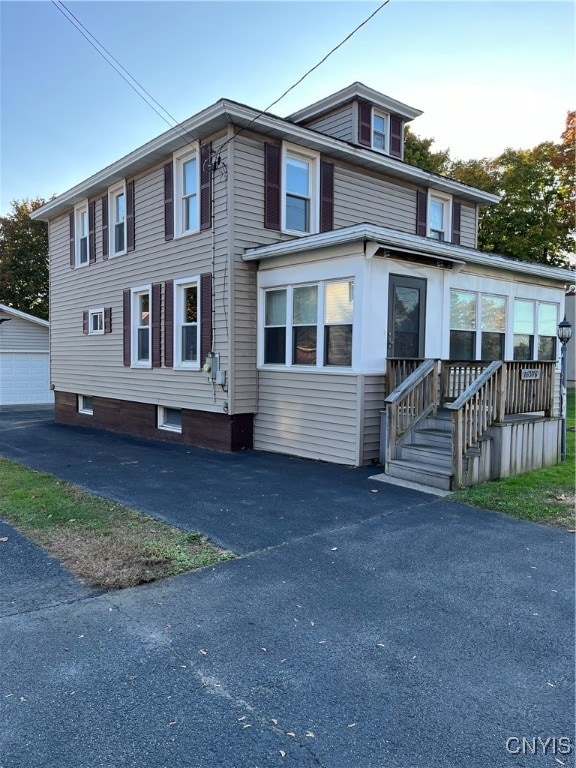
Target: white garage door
pixel 24 378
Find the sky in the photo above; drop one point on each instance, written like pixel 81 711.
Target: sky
pixel 487 75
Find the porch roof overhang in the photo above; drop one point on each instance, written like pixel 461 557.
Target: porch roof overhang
pixel 391 242
pixel 224 113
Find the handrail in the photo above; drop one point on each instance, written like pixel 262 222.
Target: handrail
pixel 409 403
pixel 410 382
pixel 475 386
pixel 478 407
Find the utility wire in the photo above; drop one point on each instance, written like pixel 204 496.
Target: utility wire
pixel 306 74
pixel 129 79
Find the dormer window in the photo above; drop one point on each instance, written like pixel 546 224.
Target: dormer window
pixel 380 130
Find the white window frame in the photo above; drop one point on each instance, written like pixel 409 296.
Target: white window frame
pixel 320 326
pixel 179 287
pixel 162 419
pixel 79 210
pixel 135 294
pixel 113 193
pixel 83 408
pixel 535 335
pixel 181 157
pixel 386 116
pixel 477 330
pixel 93 313
pixel 313 158
pixel 447 223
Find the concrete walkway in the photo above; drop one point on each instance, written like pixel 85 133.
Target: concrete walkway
pixel 389 630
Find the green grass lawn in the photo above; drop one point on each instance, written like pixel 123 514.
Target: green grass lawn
pixel 103 543
pixel 546 495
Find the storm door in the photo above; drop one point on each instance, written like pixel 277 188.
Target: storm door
pixel 407 317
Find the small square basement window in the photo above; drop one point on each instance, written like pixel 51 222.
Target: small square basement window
pixel 170 419
pixel 86 404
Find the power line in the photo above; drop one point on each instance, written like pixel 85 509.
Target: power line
pixel 129 79
pixel 306 74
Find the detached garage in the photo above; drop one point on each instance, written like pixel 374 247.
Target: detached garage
pixel 24 359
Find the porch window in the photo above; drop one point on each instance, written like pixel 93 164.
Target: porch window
pixel 493 327
pixel 547 323
pixel 275 327
pixel 304 325
pixel 309 325
pixel 463 311
pixel 338 313
pixel 470 312
pixel 535 330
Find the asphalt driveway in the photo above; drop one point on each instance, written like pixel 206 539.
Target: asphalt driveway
pixel 364 630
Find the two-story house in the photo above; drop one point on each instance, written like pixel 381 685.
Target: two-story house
pixel 246 281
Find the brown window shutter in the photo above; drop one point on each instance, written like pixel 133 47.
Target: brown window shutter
pixel 421 211
pixel 156 325
pixel 126 327
pixel 130 217
pixel 205 316
pixel 364 124
pixel 326 196
pixel 169 323
pixel 396 131
pixel 84 322
pixel 72 241
pixel 169 201
pixel 272 177
pixel 456 221
pixel 105 227
pixel 92 231
pixel 206 185
pixel 107 319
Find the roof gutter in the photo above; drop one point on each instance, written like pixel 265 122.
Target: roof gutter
pixel 409 244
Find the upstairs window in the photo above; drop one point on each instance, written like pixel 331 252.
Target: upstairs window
pixel 301 205
pixel 186 192
pixel 117 225
pixel 439 216
pixel 380 130
pixel 82 230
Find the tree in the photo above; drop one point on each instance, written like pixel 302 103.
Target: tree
pixel 418 152
pixel 533 220
pixel 24 259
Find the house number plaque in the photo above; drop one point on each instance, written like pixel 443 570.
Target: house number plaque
pixel 529 374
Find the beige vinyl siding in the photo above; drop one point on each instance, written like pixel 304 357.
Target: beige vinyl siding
pixel 339 124
pixel 362 197
pixel 249 230
pixel 374 394
pixel 94 364
pixel 468 225
pixel 309 415
pixel 22 335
